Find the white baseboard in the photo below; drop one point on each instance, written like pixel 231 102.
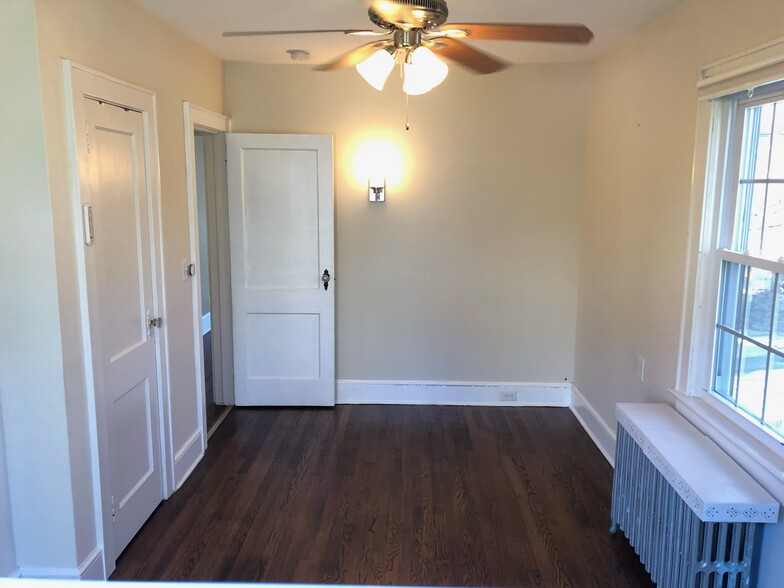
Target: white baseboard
pixel 187 458
pixel 92 567
pixel 452 393
pixel 49 573
pixel 206 323
pixel 598 430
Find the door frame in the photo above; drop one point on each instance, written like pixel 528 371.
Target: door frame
pixel 195 119
pixel 79 83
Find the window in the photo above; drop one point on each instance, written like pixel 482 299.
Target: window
pixel 746 259
pixel 730 378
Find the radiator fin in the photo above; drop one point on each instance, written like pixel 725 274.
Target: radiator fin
pixel 677 549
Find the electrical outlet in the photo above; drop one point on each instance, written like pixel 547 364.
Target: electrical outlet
pixel 508 395
pixel 641 369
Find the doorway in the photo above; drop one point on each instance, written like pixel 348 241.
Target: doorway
pixel 209 265
pixel 206 147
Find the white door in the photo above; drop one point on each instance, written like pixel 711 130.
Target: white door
pixel 119 265
pixel 282 249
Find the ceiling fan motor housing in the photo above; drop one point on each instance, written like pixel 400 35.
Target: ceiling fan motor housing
pixel 408 14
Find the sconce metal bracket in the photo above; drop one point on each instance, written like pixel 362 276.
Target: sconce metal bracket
pixel 377 193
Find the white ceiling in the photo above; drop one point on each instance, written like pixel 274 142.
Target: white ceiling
pixel 205 20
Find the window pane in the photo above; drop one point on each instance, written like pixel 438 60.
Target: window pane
pixel 778 326
pixel 751 387
pixel 751 217
pixel 777 155
pixel 726 371
pixel 733 285
pixel 774 410
pixel 773 236
pixel 759 305
pixel 756 142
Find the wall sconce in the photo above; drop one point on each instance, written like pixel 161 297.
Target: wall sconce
pixel 377 189
pixel 378 163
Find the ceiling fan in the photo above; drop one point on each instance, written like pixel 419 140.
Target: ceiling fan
pixel 413 32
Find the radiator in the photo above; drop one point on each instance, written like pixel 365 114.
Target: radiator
pixel 689 511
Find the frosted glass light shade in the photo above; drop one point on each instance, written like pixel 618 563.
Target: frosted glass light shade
pixel 424 72
pixel 376 68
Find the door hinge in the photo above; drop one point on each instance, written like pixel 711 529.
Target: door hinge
pixel 87 135
pixel 114 516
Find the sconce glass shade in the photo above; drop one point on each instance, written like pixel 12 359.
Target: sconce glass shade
pixel 376 68
pixel 422 72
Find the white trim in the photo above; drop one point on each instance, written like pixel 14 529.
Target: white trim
pixel 701 273
pixel 451 393
pixel 219 421
pixel 80 82
pixel 187 458
pixel 598 430
pixel 206 324
pixel 754 455
pixel 769 265
pixel 92 567
pixel 197 118
pixel 49 573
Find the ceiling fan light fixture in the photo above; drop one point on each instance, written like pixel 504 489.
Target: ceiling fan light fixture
pixel 376 68
pixel 422 71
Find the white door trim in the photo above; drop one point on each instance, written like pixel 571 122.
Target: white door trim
pixel 79 83
pixel 196 118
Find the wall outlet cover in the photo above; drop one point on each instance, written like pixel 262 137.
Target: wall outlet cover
pixel 508 396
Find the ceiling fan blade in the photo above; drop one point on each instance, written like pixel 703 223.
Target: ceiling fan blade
pixel 543 33
pixel 354 56
pixel 270 33
pixel 473 59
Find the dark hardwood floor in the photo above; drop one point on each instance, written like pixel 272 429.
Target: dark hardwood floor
pixel 439 496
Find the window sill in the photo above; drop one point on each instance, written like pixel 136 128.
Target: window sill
pixel 752 448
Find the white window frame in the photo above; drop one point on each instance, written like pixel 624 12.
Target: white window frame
pixel 743 438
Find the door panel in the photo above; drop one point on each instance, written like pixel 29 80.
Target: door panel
pixel 281 229
pixel 280 201
pixel 119 264
pixel 283 346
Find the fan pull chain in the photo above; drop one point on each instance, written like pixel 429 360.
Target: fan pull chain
pixel 408 124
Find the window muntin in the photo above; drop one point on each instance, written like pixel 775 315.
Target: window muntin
pixel 759 227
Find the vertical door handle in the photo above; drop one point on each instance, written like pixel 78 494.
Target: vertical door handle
pixel 325 279
pixel 87 222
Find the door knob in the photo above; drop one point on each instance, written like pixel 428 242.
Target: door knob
pixel 325 279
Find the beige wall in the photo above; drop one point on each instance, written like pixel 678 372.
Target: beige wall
pixel 638 177
pixel 469 271
pixel 118 38
pixel 31 364
pixel 641 132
